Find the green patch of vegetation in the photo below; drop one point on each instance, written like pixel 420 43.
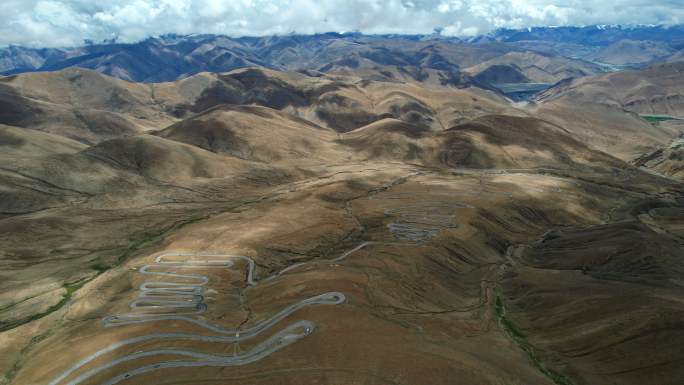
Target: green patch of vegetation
pixel 511 328
pixel 343 141
pixel 356 184
pixel 66 297
pixel 657 119
pixel 71 288
pixel 519 340
pixel 501 312
pixel 100 266
pixel 555 376
pixel 329 198
pixel 42 337
pixel 133 248
pixel 677 147
pixel 12 373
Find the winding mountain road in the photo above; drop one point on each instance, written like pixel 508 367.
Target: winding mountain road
pixel 417 225
pixel 269 346
pixel 183 295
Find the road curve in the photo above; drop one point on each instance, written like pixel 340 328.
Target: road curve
pixel 333 298
pixel 182 295
pixel 274 343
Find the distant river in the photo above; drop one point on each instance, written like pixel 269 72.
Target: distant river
pixel 511 88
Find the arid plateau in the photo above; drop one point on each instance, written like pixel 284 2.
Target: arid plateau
pixel 367 223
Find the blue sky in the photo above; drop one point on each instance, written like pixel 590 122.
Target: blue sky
pixel 66 23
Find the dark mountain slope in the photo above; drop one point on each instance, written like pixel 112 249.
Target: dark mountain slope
pixel 170 58
pixel 85 105
pixel 533 67
pixel 632 52
pixel 654 90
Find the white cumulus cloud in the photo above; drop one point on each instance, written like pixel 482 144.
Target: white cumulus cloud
pixel 67 23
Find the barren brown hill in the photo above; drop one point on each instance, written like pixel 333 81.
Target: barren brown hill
pixel 490 142
pixel 84 125
pixel 351 108
pixel 79 104
pixel 392 140
pixel 499 141
pixel 631 52
pixel 558 48
pixel 527 67
pixel 502 74
pixel 593 333
pixel 87 106
pixel 493 141
pixel 257 134
pixel 620 133
pixel 654 90
pixel 15 141
pixel 373 51
pixel 427 78
pixel 80 87
pixel 669 161
pixel 120 164
pixel 675 57
pixel 344 103
pixel 164 160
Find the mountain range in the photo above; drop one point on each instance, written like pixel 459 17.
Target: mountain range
pixel 377 206
pixel 172 57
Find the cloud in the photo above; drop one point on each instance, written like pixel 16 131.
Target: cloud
pixel 67 23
